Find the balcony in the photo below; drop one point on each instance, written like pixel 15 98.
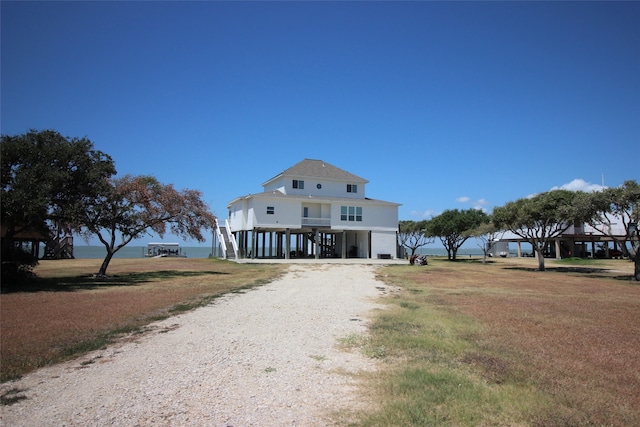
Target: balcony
pixel 316 222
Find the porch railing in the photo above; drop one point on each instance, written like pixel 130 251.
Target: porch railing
pixel 316 222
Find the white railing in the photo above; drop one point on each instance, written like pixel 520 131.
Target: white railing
pixel 317 222
pixel 221 241
pixel 232 238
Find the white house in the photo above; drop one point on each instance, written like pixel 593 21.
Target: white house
pixel 582 240
pixel 312 209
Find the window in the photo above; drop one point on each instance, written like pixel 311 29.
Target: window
pixel 352 188
pixel 350 213
pixel 298 184
pixel 271 210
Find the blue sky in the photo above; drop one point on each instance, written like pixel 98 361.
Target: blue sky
pixel 440 105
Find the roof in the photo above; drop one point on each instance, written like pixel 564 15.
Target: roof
pixel 279 194
pixel 318 169
pixel 25 234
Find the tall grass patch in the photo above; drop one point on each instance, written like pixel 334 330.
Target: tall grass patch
pixel 429 375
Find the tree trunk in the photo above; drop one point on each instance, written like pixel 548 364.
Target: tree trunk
pixel 636 273
pixel 105 263
pixel 540 255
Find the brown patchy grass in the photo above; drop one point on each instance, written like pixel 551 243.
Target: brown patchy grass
pixel 571 332
pixel 66 312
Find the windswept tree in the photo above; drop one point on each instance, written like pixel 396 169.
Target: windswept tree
pixel 541 219
pixel 454 227
pixel 619 205
pixel 487 236
pixel 46 179
pixel 412 235
pixel 139 205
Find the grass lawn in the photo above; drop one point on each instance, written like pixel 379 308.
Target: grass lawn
pixel 66 312
pixel 467 344
pixel 460 344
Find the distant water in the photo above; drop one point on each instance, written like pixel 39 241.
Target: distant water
pixel 134 252
pixel 462 252
pixel 204 252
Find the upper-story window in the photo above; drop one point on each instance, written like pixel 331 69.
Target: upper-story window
pixel 271 210
pixel 352 188
pixel 350 213
pixel 298 184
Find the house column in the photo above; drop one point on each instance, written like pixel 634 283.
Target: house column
pixel 254 244
pixel 317 243
pixel 344 243
pixel 279 244
pixel 519 249
pixel 287 243
pixel 369 244
pixel 558 255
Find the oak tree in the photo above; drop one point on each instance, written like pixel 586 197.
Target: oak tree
pixel 454 227
pixel 487 235
pixel 540 219
pixel 46 179
pixel 411 235
pixel 617 205
pixel 139 205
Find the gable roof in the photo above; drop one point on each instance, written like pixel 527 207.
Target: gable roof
pixel 310 168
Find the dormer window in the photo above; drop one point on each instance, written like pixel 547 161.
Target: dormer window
pixel 298 184
pixel 352 188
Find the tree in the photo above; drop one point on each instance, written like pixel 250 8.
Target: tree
pixel 46 178
pixel 138 205
pixel 621 204
pixel 487 234
pixel 454 227
pixel 411 235
pixel 539 220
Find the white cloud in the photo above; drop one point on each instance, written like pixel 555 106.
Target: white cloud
pixel 423 214
pixel 479 204
pixel 579 184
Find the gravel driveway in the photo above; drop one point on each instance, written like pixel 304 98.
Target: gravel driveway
pixel 266 357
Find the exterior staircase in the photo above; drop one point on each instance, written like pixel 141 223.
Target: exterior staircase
pixel 60 248
pixel 226 241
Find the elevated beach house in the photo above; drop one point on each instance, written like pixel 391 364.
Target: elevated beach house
pixel 313 209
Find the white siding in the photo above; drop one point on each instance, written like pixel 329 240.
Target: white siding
pixel 328 188
pixel 383 242
pixel 374 217
pixel 287 213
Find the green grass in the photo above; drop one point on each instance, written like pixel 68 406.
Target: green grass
pixel 578 261
pixel 436 373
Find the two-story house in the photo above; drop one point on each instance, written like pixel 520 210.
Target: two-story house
pixel 313 209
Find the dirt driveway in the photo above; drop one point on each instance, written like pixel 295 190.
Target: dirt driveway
pixel 265 357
